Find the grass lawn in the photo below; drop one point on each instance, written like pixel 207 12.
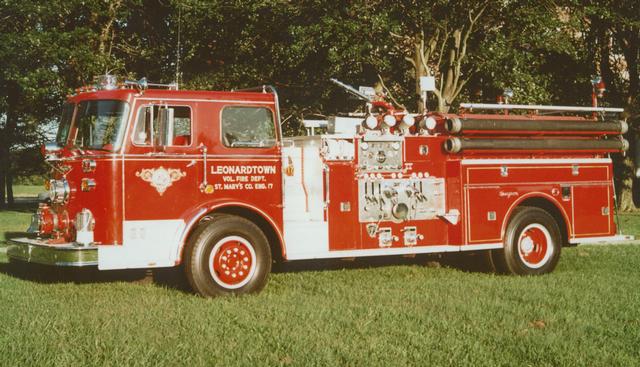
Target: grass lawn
pixel 14 221
pixel 585 313
pixel 630 224
pixel 18 219
pixel 21 191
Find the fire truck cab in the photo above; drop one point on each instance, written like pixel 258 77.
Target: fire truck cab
pixel 159 177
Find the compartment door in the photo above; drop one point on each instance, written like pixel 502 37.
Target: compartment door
pixel 591 210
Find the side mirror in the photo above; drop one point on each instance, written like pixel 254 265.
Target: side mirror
pixel 50 150
pixel 165 126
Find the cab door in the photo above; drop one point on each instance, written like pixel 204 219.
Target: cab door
pixel 244 166
pixel 161 172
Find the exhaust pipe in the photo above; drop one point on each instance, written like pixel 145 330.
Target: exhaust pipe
pixel 456 145
pixel 535 127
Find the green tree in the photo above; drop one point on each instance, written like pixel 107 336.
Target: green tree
pixel 611 47
pixel 46 49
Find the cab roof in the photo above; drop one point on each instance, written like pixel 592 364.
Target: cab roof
pixel 128 94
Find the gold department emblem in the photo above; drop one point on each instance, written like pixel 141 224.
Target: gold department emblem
pixel 160 178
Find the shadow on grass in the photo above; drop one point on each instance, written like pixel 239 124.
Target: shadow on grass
pixel 470 262
pixel 358 263
pixel 17 234
pixel 165 277
pixel 467 262
pixel 174 278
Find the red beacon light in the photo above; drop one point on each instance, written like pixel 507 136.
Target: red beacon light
pixel 599 87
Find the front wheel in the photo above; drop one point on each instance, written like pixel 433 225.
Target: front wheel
pixel 227 255
pixel 532 243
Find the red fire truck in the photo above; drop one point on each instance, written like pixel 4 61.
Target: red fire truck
pixel 147 176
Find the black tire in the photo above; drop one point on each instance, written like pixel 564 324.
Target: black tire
pixel 499 262
pixel 532 243
pixel 227 255
pixel 485 261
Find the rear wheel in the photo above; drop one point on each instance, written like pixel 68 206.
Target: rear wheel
pixel 532 243
pixel 227 255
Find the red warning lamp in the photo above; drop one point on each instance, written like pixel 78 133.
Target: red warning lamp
pixel 598 86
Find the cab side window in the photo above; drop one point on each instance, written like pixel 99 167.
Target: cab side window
pixel 248 127
pixel 163 125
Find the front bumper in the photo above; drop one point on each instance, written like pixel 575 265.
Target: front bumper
pixel 37 251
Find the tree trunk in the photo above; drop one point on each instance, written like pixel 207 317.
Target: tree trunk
pixel 631 53
pixel 8 137
pixel 4 168
pixel 9 183
pixel 625 196
pixel 3 159
pixel 442 105
pixel 604 64
pixel 420 71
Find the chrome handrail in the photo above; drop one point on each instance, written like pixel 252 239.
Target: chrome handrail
pixel 497 106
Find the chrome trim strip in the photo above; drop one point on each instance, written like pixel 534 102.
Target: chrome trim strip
pixel 482 246
pixel 35 251
pixel 479 161
pixel 167 156
pixel 206 100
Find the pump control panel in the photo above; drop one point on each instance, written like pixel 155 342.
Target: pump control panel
pixel 399 200
pixel 380 156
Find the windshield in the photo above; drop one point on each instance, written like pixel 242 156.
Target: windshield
pixel 100 124
pixel 65 124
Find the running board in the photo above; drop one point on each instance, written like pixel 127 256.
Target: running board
pixel 390 251
pixel 605 239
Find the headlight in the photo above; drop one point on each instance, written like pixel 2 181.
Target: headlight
pixel 59 191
